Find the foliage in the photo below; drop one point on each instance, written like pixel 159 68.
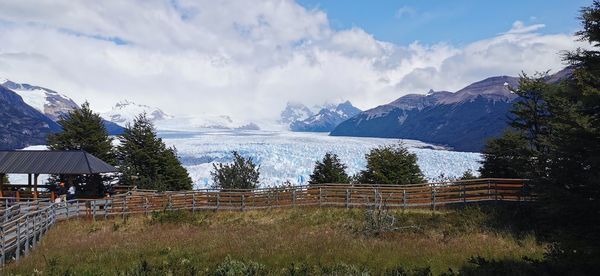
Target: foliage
pixel 231 267
pixel 143 155
pixel 82 129
pixel 506 157
pixel 391 164
pixel 243 173
pixel 468 175
pixel 5 179
pixel 556 142
pixel 329 170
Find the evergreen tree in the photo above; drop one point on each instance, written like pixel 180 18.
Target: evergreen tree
pixel 468 175
pixel 392 164
pixel 144 156
pixel 570 198
pixel 243 173
pixel 507 157
pixel 329 170
pixel 82 129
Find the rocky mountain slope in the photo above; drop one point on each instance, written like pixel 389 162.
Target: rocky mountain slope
pixel 20 124
pixel 326 119
pixel 463 120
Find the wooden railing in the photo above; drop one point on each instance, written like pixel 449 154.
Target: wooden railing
pixel 24 223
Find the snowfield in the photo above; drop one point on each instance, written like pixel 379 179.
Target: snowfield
pixel 290 156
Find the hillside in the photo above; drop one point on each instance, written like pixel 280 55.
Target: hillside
pixel 304 241
pixel 462 120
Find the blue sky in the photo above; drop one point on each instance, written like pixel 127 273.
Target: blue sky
pixel 457 22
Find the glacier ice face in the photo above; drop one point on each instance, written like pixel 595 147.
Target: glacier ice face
pixel 288 156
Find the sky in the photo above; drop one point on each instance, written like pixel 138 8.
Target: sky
pixel 246 59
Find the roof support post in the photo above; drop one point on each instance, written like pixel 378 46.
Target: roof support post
pixel 35 185
pixel 2 184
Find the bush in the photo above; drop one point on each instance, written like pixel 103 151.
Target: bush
pixel 231 267
pixel 329 170
pixel 392 164
pixel 243 173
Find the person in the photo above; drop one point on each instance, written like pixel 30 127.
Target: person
pixel 62 192
pixel 71 193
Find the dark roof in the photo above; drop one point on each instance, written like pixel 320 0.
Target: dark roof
pixel 52 162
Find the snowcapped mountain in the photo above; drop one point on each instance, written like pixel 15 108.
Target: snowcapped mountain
pixel 46 101
pixel 326 119
pixel 20 124
pixel 125 111
pixel 463 120
pixel 294 112
pixel 50 103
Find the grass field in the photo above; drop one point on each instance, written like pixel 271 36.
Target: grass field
pixel 276 242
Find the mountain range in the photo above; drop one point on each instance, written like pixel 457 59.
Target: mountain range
pixel 29 113
pixel 299 117
pixel 326 119
pixel 462 120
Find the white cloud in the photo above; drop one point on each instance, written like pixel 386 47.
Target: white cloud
pixel 405 11
pixel 239 58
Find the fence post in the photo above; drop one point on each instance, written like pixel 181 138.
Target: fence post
pixel 320 197
pixel 77 206
pixel 26 236
pixel 243 202
pixel 18 250
pixel 193 202
pixel 403 199
pixel 34 238
pixel 496 191
pixel 146 205
pixel 464 192
pixel 489 190
pixel 124 206
pixel 294 198
pixel 106 208
pixel 218 200
pixel 93 205
pixel 3 258
pixel 433 198
pixel 347 198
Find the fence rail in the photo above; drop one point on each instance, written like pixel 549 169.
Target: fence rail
pixel 24 223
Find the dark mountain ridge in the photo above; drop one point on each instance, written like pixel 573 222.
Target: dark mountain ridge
pixel 463 120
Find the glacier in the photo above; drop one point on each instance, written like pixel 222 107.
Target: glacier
pixel 286 156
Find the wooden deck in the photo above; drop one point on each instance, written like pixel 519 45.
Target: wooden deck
pixel 24 222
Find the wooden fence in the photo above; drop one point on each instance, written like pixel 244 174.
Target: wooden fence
pixel 25 222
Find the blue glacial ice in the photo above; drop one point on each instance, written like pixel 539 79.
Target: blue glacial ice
pixel 289 156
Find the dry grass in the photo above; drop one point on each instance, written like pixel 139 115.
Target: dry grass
pixel 277 240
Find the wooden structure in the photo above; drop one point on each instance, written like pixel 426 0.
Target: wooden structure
pixel 36 162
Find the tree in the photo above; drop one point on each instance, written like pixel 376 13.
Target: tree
pixel 329 170
pixel 507 157
pixel 82 129
pixel 570 198
pixel 468 175
pixel 392 164
pixel 144 156
pixel 243 173
pixel 5 179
